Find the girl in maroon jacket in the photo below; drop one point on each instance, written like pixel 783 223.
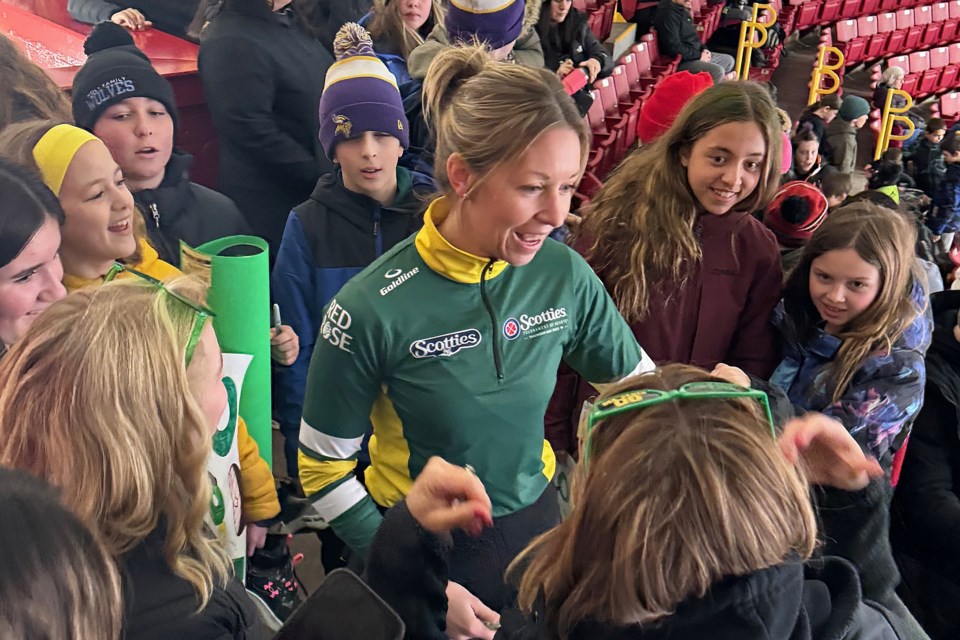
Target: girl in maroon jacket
pixel 672 237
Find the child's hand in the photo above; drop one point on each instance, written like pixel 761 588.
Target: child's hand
pixel 731 374
pixel 828 452
pixel 284 345
pixel 256 538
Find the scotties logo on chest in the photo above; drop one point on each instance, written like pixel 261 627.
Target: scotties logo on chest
pixel 531 326
pixel 449 344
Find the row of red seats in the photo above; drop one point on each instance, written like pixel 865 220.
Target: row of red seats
pixel 929 72
pixel 615 111
pixel 599 15
pixel 947 108
pixel 813 13
pixel 876 36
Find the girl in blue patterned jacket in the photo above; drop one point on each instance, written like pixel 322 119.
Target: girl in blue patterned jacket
pixel 855 327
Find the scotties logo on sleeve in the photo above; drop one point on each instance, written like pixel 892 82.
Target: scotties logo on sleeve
pixel 449 344
pixel 549 321
pixel 109 90
pixel 336 321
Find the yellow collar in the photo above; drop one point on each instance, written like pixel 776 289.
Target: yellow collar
pixel 446 259
pixel 150 264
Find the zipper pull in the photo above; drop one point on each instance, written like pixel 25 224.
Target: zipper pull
pixel 156 215
pixel 376 228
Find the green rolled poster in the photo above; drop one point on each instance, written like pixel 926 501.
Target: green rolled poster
pixel 238 272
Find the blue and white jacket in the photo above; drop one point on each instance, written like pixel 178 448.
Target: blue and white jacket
pixel 945 214
pixel 884 394
pixel 327 240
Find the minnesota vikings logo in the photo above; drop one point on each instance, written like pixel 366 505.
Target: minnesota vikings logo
pixel 343 126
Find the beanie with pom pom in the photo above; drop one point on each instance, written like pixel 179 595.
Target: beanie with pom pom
pixel 797 210
pixel 114 71
pixel 667 101
pixel 359 94
pixel 495 23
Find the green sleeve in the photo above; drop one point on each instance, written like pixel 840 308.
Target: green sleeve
pixel 604 348
pixel 342 384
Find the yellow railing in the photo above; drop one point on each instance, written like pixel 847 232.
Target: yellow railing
pixel 748 39
pixel 825 70
pixel 892 115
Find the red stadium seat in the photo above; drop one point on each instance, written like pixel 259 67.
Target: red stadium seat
pixel 902 61
pixel 889 5
pixel 941 12
pixel 830 11
pixel 929 82
pixel 640 85
pixel 629 105
pixel 846 30
pixel 954 6
pixel 904 18
pixel 954 52
pixel 950 107
pixel 850 9
pixel 807 15
pixel 939 57
pixel 869 7
pixel 949 78
pixel 894 43
pixel 949 31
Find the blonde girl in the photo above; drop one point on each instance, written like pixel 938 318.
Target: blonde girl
pixel 397 28
pixel 100 224
pixel 112 396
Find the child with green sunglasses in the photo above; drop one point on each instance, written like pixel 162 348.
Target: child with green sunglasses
pixel 689 521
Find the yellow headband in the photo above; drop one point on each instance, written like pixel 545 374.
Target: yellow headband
pixel 55 150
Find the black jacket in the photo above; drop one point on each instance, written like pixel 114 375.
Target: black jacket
pixel 329 239
pixel 928 495
pixel 676 32
pixel 327 16
pixel 182 210
pixel 928 165
pixel 847 594
pixel 159 605
pixel 262 77
pixel 171 16
pixel 581 46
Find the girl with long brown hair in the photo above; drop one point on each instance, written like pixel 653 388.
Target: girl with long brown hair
pixel 672 237
pixel 854 328
pixel 397 28
pixel 690 520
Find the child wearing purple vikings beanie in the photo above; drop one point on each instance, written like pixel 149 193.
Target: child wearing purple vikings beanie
pixel 354 215
pixel 507 28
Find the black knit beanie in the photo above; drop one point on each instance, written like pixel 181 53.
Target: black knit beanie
pixel 114 71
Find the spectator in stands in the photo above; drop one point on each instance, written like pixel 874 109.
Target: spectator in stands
pixel 56 581
pixel 925 527
pixel 27 92
pixel 817 116
pixel 328 238
pixel 854 327
pixel 884 178
pixel 265 109
pixel 511 148
pixel 128 445
pixel 925 160
pixel 100 224
pixel 171 16
pixel 807 164
pixel 397 28
pixel 30 269
pixel 798 209
pixel 678 35
pixel 568 43
pixel 138 126
pixel 836 187
pixel 618 568
pixel 944 218
pixel 507 29
pixel 680 288
pixel 892 78
pixel 716 165
pixel 667 101
pixel 842 133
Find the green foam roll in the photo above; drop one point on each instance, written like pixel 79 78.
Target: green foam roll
pixel 238 271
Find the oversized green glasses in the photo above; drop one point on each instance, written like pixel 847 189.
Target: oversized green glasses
pixel 642 398
pixel 202 312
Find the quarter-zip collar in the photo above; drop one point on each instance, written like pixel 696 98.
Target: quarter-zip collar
pixel 446 259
